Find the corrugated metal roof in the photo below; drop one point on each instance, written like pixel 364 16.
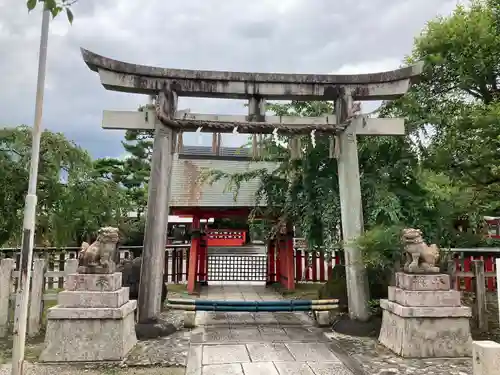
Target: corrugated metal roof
pixel 186 190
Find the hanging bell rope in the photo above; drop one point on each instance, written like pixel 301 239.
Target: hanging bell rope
pixel 295 151
pixel 216 143
pixel 254 146
pixel 260 142
pixel 180 142
pixel 331 148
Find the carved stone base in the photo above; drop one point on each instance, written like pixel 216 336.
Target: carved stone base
pixel 409 281
pixel 424 298
pixel 89 334
pixel 98 269
pixel 424 336
pixel 424 318
pixel 93 321
pixel 93 282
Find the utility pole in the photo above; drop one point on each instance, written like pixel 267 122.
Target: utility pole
pixel 28 235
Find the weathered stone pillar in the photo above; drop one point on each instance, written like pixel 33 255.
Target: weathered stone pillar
pixel 155 234
pixel 351 211
pixel 257 113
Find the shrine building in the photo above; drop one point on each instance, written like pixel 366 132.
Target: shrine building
pixel 224 255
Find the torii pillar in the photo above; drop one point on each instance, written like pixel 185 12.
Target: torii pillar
pixel 155 234
pixel 351 208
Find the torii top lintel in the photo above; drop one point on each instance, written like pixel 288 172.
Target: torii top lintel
pixel 126 77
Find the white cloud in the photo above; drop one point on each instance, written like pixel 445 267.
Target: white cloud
pixel 370 67
pixel 295 36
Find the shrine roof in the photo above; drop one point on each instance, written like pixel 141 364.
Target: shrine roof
pixel 188 191
pixel 194 152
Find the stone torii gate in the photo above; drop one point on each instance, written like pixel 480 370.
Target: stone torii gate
pixel 166 85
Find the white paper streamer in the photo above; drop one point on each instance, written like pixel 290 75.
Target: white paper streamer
pixel 200 139
pixel 275 135
pixel 313 138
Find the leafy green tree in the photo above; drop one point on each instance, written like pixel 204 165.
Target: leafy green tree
pixel 72 203
pixel 55 7
pixel 311 200
pixel 456 104
pixel 299 191
pixel 13 184
pixel 133 171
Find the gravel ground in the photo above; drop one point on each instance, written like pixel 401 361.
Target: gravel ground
pixel 37 369
pixel 378 360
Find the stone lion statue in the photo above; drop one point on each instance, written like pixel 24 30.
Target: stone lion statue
pixel 99 256
pixel 420 258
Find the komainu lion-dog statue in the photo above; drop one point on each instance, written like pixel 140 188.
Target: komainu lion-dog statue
pixel 420 258
pixel 99 256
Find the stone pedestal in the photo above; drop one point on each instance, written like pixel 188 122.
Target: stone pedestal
pixel 93 321
pixel 423 318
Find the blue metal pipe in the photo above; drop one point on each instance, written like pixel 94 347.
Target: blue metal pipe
pixel 255 308
pixel 200 302
pixel 254 303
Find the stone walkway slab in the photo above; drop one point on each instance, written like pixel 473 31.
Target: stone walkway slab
pixel 293 368
pixel 313 352
pixel 243 343
pixel 218 354
pixel 269 352
pixel 260 368
pixel 232 369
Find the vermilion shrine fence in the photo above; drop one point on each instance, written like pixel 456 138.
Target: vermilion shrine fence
pixel 309 267
pixel 463 267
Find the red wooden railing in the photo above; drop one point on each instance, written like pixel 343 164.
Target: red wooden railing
pixel 319 269
pixel 316 268
pixel 464 271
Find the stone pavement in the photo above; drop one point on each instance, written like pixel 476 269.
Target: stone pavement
pixel 281 343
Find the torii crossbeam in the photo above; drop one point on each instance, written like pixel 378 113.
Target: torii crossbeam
pixel 167 84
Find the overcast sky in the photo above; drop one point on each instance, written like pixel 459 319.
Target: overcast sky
pixel 291 36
